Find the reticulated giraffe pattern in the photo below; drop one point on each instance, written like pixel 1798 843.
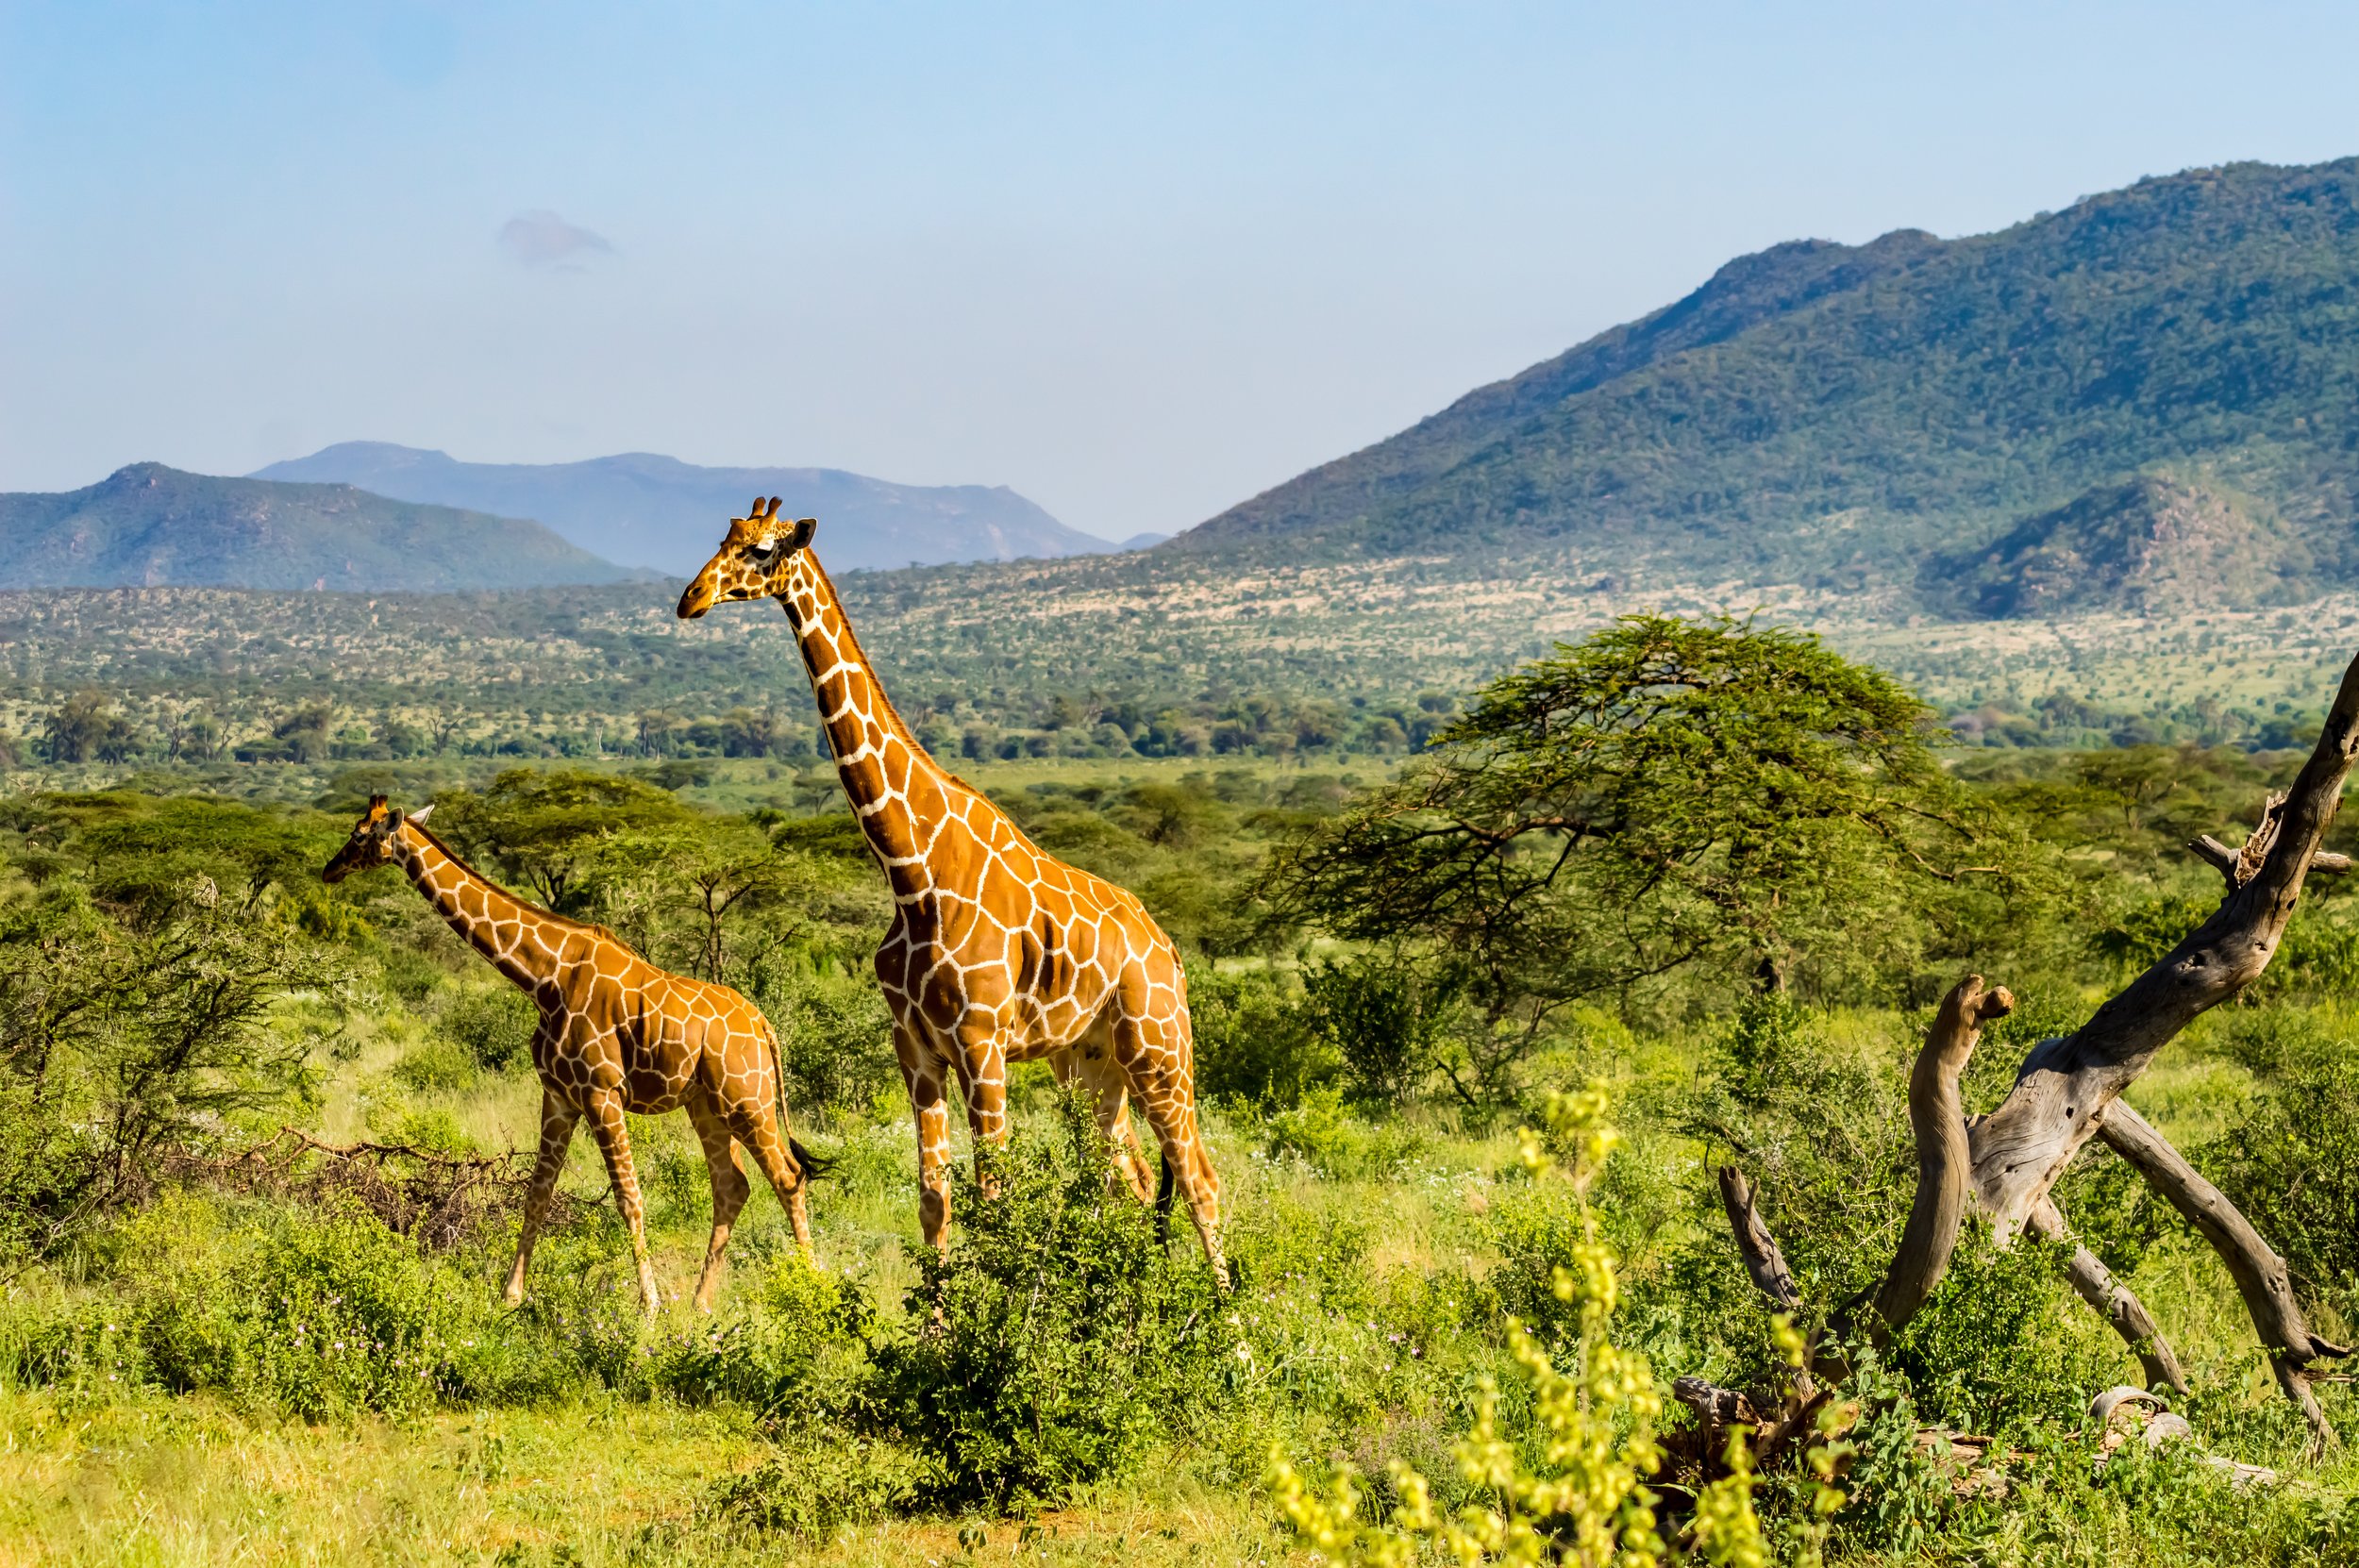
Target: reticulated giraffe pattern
pixel 999 952
pixel 616 1034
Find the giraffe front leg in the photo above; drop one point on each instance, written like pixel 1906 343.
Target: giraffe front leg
pixel 557 1130
pixel 729 1188
pixel 982 1062
pixel 606 1125
pixel 922 1071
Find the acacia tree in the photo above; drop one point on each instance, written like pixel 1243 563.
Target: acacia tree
pixel 1668 795
pixel 548 832
pixel 712 895
pixel 86 729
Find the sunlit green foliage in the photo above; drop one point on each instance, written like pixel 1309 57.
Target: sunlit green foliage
pixel 1670 796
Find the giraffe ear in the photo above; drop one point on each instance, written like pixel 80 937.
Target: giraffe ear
pixel 423 812
pixel 804 528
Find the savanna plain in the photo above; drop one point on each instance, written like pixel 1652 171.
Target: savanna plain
pixel 1467 1093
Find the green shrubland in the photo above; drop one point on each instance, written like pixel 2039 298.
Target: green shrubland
pixel 214 1344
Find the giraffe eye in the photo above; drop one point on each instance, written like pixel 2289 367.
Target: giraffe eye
pixel 763 554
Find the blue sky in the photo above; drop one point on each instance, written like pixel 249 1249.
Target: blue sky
pixel 1138 261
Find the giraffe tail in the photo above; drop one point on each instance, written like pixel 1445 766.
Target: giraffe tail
pixel 812 1166
pixel 1164 1186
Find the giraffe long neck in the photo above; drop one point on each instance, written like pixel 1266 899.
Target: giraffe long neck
pixel 493 921
pixel 898 791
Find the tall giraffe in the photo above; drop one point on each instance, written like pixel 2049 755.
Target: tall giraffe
pixel 616 1034
pixel 999 952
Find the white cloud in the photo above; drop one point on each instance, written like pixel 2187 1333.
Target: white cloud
pixel 542 239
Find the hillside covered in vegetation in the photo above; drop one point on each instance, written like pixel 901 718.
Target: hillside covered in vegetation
pixel 1831 413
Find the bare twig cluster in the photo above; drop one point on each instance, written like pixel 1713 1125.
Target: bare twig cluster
pixel 436 1198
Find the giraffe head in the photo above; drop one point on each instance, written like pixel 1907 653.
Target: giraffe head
pixel 372 842
pixel 753 562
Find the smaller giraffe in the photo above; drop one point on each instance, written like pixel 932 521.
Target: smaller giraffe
pixel 616 1034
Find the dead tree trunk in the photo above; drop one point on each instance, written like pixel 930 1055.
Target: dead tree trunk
pixel 2260 1273
pixel 2065 1086
pixel 2068 1091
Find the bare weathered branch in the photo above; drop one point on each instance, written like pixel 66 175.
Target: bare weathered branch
pixel 2260 1273
pixel 1763 1260
pixel 2065 1085
pixel 2236 866
pixel 1942 1152
pixel 2218 855
pixel 2116 1302
pixel 1718 1411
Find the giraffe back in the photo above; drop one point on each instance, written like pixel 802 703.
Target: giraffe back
pixel 612 1022
pixel 1004 930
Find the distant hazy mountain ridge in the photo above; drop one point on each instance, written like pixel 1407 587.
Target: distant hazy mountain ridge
pixel 643 510
pixel 1834 415
pixel 148 525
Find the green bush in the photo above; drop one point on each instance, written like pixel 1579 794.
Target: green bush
pixel 438 1064
pixel 821 1480
pixel 1384 1019
pixel 2292 1165
pixel 785 1322
pixel 493 1027
pixel 1256 1043
pixel 317 1313
pixel 2002 1342
pixel 2319 954
pixel 1532 1225
pixel 835 1039
pixel 1053 1340
pixel 1323 1134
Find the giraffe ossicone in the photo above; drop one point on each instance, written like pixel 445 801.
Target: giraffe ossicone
pixel 616 1034
pixel 999 952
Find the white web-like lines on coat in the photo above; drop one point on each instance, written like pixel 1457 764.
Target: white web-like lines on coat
pixel 998 952
pixel 616 1034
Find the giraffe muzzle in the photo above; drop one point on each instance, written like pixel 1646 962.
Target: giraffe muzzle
pixel 695 601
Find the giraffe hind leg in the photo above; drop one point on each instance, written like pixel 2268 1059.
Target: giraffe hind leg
pixel 729 1188
pixel 751 1121
pixel 1164 1186
pixel 1155 1053
pixel 1092 1063
pixel 922 1072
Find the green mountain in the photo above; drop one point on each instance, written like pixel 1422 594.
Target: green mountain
pixel 148 525
pixel 1832 414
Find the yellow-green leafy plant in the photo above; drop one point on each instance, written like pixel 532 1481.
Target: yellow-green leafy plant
pixel 1586 1500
